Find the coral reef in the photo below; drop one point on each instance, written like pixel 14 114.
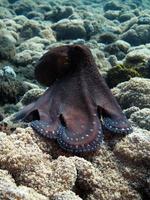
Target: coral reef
pixel 133 151
pixel 11 90
pixel 69 29
pixel 31 167
pixel 7 45
pixel 59 13
pixel 67 195
pixel 142 118
pixel 31 95
pixel 27 156
pixel 135 92
pixel 9 189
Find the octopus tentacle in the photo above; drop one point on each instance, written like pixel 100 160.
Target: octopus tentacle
pixel 110 112
pixel 71 144
pixel 84 136
pixel 23 114
pixel 113 118
pixel 117 125
pixel 80 129
pixel 45 128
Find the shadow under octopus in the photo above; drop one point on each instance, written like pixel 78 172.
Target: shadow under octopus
pixel 78 106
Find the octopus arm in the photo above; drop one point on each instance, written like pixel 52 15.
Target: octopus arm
pixel 23 115
pixel 72 118
pixel 109 110
pixel 80 129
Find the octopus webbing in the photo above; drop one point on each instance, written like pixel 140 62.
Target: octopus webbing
pixel 78 107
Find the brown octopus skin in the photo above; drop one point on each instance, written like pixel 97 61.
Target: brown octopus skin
pixel 78 105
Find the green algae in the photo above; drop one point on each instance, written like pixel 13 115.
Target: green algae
pixel 121 73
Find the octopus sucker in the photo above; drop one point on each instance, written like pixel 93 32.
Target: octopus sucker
pixel 44 128
pixel 76 147
pixel 78 106
pixel 117 126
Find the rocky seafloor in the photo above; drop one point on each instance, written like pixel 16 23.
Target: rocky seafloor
pixel 118 34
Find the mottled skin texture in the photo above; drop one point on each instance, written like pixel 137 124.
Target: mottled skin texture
pixel 78 106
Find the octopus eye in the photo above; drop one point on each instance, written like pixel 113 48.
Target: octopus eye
pixel 52 66
pixel 66 60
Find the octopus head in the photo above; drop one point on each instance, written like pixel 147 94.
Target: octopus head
pixel 60 61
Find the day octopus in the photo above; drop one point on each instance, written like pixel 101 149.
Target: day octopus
pixel 78 107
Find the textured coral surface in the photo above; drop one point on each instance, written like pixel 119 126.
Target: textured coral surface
pixel 33 165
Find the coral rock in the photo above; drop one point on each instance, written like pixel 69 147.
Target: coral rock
pixel 9 189
pixel 135 92
pixel 69 29
pixel 141 118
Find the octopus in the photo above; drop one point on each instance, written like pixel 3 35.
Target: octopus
pixel 77 107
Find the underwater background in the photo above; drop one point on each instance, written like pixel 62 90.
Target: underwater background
pixel 118 35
